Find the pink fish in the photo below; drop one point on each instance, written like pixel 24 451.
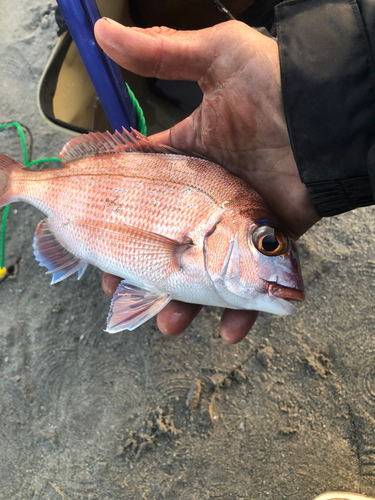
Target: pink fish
pixel 172 226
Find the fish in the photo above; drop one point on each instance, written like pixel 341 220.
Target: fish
pixel 172 226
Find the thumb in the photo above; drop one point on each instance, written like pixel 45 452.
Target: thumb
pixel 159 52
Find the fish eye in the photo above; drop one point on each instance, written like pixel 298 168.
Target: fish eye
pixel 271 240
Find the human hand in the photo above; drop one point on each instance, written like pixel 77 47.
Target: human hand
pixel 240 125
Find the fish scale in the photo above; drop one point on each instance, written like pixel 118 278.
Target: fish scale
pixel 171 225
pixel 178 208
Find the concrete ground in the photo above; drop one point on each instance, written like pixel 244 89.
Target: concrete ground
pixel 286 414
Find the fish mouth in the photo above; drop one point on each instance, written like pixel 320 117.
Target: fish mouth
pixel 285 292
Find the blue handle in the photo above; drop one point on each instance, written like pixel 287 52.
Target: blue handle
pixel 80 17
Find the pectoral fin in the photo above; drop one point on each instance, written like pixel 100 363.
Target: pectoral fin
pixel 132 306
pixel 50 253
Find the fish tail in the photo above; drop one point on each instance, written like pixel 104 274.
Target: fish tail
pixel 7 166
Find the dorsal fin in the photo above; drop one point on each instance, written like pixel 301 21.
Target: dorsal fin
pixel 99 143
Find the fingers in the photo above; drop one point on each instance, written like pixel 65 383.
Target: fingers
pixel 110 283
pixel 158 52
pixel 180 55
pixel 176 317
pixel 235 325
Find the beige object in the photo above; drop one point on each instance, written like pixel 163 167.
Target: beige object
pixel 75 101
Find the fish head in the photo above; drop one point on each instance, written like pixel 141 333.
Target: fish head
pixel 278 269
pixel 258 267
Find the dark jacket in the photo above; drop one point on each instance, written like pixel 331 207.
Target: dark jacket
pixel 327 50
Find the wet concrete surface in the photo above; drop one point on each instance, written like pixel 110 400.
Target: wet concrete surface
pixel 288 413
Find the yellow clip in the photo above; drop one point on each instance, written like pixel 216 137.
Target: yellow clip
pixel 3 273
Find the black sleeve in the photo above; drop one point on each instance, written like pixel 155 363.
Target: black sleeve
pixel 327 52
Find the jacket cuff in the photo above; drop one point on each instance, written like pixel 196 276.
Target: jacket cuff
pixel 328 87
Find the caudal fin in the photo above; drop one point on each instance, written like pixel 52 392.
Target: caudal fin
pixel 7 166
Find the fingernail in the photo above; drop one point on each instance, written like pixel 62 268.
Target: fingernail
pixel 111 21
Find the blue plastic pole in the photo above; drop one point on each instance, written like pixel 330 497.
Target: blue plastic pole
pixel 80 17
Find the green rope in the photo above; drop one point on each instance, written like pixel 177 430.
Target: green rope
pixel 22 137
pixel 2 252
pixel 43 160
pixel 138 110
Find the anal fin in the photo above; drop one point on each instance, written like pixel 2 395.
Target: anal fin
pixel 50 253
pixel 132 306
